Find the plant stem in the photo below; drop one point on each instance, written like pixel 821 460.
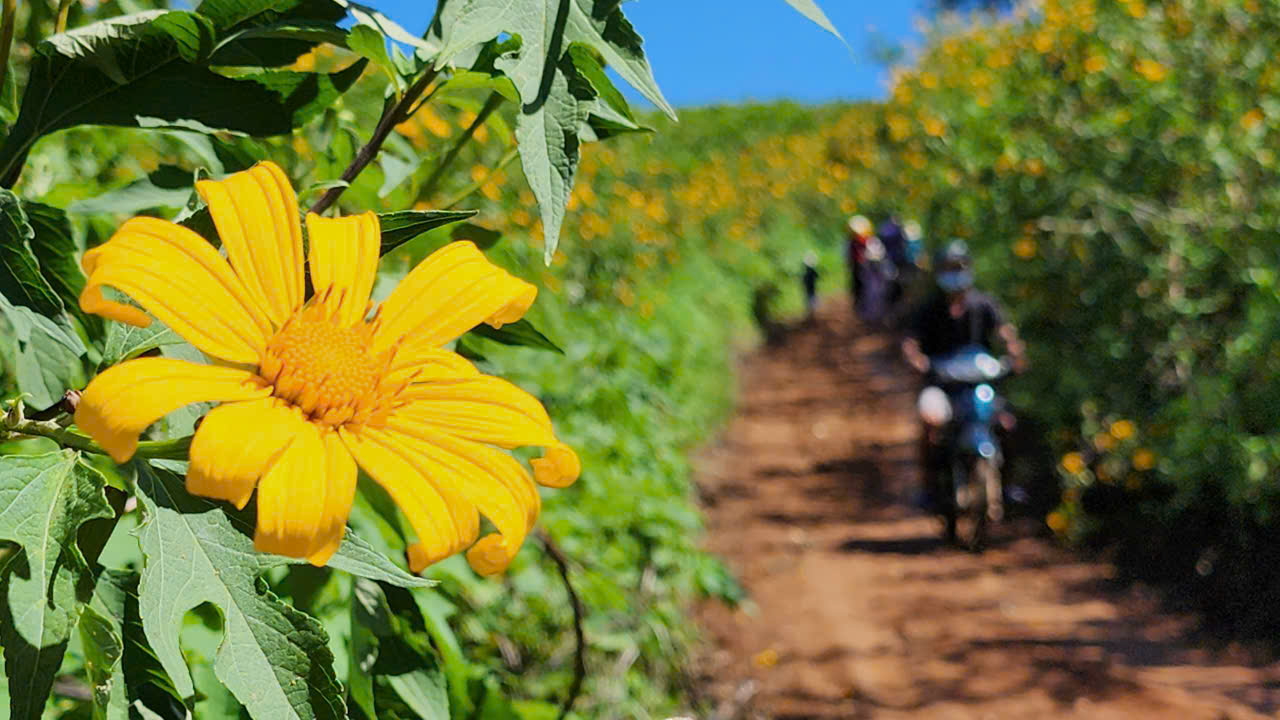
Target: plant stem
pixel 64 8
pixel 579 613
pixel 393 113
pixel 466 191
pixel 490 104
pixel 155 449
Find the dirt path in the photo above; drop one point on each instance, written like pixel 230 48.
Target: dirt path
pixel 858 611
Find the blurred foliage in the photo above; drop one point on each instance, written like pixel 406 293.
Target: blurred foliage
pixel 1112 164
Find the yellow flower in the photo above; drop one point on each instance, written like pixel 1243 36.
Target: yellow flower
pixel 1057 522
pixel 1151 70
pixel 1252 119
pixel 1095 63
pixel 1122 429
pixel 1143 459
pixel 312 388
pixel 1025 248
pixel 1073 463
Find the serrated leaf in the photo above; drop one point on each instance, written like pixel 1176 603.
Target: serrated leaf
pixel 557 98
pixel 20 278
pixel 521 332
pixel 402 226
pixel 273 658
pixel 44 499
pixel 42 354
pixel 547 28
pixel 547 135
pixel 193 544
pixel 113 71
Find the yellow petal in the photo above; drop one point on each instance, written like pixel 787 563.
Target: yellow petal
pixel 489 479
pixel 177 276
pixel 427 364
pixel 291 498
pixel 492 554
pixel 344 262
pixel 123 400
pixel 447 294
pixel 559 468
pixel 236 444
pixel 340 475
pixel 256 213
pixel 491 410
pixel 444 522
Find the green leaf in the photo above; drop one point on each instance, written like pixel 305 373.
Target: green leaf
pixel 366 15
pixel 587 64
pixel 368 42
pixel 194 544
pixel 58 254
pixel 472 80
pixel 44 499
pixel 558 99
pixel 42 354
pixel 273 658
pixel 547 135
pixel 409 667
pixel 167 187
pixel 483 237
pixel 547 28
pixel 521 332
pixel 402 226
pixel 810 9
pixel 114 71
pixel 126 341
pixel 102 639
pixel 271 33
pixel 20 278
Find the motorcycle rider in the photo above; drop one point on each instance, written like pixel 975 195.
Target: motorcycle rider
pixel 859 232
pixel 954 316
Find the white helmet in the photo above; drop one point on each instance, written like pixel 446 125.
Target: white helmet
pixel 860 225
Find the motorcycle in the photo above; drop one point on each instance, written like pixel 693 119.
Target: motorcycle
pixel 971 494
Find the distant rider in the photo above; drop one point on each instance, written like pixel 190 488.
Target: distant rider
pixel 954 316
pixel 860 230
pixel 810 280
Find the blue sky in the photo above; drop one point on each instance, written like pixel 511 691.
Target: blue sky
pixel 727 51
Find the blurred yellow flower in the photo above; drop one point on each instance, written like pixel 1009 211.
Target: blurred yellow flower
pixel 934 127
pixel 1095 63
pixel 1056 521
pixel 1151 70
pixel 1252 119
pixel 1025 248
pixel 1104 441
pixel 1122 429
pixel 312 388
pixel 1073 463
pixel 1143 459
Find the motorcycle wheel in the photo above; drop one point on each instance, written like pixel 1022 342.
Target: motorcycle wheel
pixel 967 526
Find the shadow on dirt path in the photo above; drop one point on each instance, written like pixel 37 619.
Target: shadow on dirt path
pixel 859 611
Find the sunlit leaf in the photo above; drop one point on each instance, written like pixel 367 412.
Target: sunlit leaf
pixel 44 499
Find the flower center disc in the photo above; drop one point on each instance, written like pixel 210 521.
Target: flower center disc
pixel 325 370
